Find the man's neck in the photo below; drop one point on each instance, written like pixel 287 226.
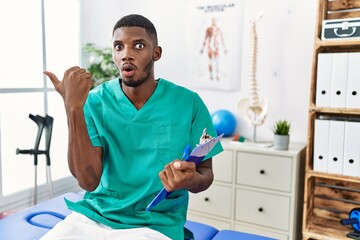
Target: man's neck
pixel 141 94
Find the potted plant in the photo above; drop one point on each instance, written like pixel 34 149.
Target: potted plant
pixel 101 65
pixel 281 131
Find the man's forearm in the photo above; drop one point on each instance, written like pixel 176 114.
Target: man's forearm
pixel 84 161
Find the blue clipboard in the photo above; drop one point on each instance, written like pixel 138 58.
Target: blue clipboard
pixel 196 156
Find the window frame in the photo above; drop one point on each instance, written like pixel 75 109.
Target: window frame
pixel 23 198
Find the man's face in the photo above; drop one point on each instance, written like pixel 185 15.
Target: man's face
pixel 134 54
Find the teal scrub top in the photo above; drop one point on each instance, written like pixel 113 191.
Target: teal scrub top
pixel 137 144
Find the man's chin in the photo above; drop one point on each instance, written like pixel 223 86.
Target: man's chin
pixel 132 83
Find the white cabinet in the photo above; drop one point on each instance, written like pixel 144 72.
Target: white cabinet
pixel 256 190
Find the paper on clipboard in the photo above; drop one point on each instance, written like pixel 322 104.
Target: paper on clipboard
pixel 196 156
pixel 200 151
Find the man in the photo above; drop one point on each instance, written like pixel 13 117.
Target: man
pixel 125 140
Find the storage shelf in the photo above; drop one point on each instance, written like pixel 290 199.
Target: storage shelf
pixel 312 233
pixel 328 198
pixel 329 176
pixel 329 229
pixel 331 199
pixel 336 111
pixel 337 43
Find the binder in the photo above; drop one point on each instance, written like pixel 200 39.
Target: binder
pixel 323 80
pixel 351 165
pixel 321 145
pixel 339 80
pixel 353 83
pixel 336 146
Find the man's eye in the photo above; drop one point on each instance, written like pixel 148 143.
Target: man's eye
pixel 139 46
pixel 117 47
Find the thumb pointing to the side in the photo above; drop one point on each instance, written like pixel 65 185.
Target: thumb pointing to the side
pixel 56 82
pixel 53 78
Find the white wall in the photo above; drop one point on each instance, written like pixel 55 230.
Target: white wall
pixel 286 34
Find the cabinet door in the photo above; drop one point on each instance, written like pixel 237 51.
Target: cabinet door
pixel 223 166
pixel 265 171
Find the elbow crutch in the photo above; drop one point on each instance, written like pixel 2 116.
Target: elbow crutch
pixel 42 123
pixel 48 132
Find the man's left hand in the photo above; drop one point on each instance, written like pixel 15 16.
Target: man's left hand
pixel 178 175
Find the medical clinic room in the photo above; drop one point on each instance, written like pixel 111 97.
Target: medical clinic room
pixel 180 120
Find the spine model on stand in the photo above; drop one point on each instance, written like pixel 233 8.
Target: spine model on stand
pixel 252 109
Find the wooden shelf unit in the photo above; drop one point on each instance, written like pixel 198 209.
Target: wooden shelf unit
pixel 328 198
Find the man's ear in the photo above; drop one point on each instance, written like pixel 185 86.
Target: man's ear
pixel 157 53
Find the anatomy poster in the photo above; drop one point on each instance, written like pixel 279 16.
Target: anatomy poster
pixel 214 44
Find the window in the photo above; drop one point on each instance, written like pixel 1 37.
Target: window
pixel 24 90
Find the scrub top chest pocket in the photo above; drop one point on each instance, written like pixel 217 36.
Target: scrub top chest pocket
pixel 171 141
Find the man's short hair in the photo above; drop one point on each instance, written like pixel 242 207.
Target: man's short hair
pixel 136 20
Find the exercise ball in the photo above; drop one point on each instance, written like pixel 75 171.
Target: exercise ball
pixel 224 122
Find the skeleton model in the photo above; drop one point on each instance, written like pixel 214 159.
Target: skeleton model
pixel 252 109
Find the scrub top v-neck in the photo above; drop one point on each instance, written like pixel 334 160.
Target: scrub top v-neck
pixel 128 106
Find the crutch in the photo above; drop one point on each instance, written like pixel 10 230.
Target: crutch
pixel 42 123
pixel 48 132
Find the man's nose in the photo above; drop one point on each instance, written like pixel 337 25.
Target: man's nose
pixel 126 54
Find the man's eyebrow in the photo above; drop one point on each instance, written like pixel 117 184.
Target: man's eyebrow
pixel 139 40
pixel 135 40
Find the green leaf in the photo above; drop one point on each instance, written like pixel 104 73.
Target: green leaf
pixel 281 127
pixel 102 68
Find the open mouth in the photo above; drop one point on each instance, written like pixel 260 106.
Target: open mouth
pixel 128 70
pixel 127 67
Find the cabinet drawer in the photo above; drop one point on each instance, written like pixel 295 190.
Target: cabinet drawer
pixel 223 166
pixel 216 200
pixel 266 171
pixel 263 209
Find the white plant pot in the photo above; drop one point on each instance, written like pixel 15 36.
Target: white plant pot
pixel 281 142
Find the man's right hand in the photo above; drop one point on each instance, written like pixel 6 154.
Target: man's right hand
pixel 74 87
